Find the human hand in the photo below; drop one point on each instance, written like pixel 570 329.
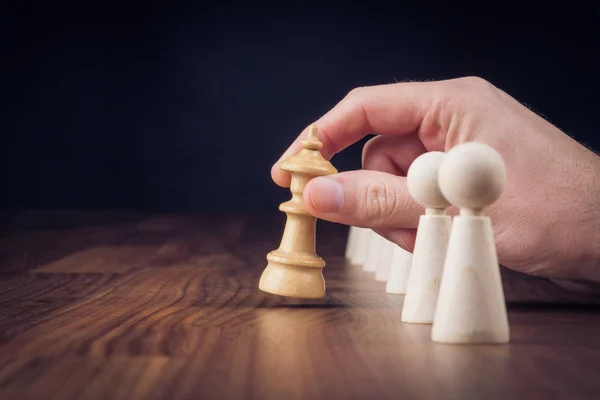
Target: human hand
pixel 547 222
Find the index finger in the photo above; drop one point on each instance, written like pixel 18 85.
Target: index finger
pixel 393 109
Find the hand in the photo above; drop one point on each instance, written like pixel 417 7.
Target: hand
pixel 547 222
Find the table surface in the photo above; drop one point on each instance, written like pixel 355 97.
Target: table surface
pixel 148 306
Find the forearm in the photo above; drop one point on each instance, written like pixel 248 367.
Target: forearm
pixel 584 220
pixel 593 252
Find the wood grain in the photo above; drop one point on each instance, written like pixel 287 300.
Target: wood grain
pixel 136 306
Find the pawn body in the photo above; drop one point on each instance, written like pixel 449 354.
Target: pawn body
pixel 427 267
pixel 360 245
pixel 373 252
pixel 471 306
pixel 399 271
pixel 385 261
pixel 351 243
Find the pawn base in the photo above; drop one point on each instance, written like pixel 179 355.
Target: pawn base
pixel 299 281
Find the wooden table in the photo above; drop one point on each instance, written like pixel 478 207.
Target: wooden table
pixel 142 306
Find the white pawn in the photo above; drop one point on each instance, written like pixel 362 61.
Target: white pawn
pixel 400 268
pixel 385 261
pixel 356 246
pixel 363 239
pixel 373 254
pixel 471 306
pixel 352 242
pixel 431 242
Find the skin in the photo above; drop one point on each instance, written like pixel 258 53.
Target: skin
pixel 547 222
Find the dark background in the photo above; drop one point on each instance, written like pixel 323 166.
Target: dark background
pixel 186 108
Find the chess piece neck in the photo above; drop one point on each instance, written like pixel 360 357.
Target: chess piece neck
pixel 471 212
pixel 435 211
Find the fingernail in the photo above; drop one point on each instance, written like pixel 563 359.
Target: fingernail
pixel 326 194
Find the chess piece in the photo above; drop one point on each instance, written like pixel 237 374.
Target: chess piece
pixel 373 255
pixel 352 242
pixel 431 242
pixel 399 270
pixel 294 269
pixel 360 246
pixel 471 307
pixel 385 260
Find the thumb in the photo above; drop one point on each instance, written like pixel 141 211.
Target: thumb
pixel 363 198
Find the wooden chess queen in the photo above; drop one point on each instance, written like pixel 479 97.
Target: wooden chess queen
pixel 294 269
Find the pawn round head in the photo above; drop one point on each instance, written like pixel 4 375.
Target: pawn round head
pixel 472 175
pixel 422 180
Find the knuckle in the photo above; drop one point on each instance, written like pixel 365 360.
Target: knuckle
pixel 380 201
pixel 477 85
pixel 461 97
pixel 354 92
